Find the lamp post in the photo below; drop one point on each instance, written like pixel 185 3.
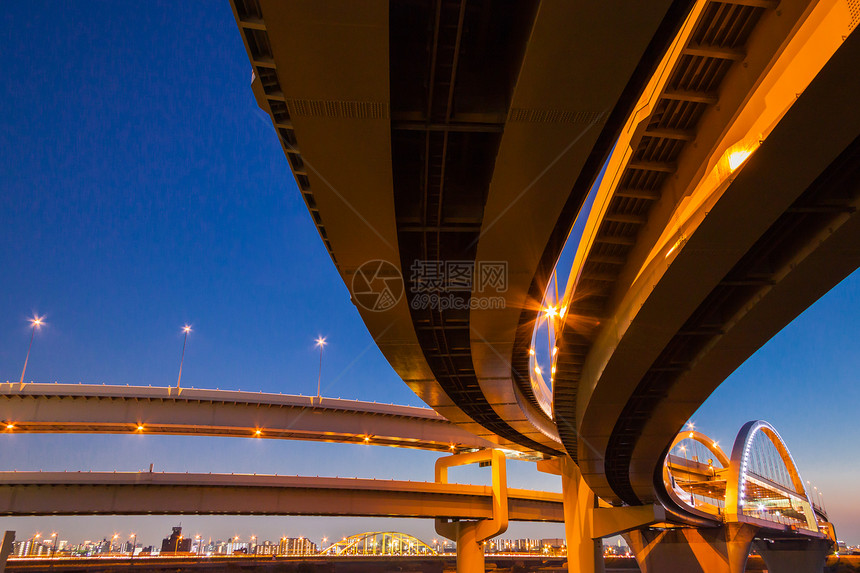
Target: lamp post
pixel 33 542
pixel 36 321
pixel 133 545
pixel 186 329
pixel 54 545
pixel 321 343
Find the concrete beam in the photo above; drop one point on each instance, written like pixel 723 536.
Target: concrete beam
pixel 144 493
pixel 609 521
pixel 85 408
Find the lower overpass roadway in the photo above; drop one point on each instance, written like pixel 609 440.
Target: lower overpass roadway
pixel 86 408
pixel 147 493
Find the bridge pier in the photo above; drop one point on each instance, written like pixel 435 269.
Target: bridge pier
pixel 470 535
pixel 794 555
pixel 584 552
pixel 470 546
pixel 721 549
pixel 6 549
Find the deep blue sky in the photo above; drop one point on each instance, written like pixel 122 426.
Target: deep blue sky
pixel 142 188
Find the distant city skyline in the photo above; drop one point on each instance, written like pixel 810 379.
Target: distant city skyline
pixel 144 190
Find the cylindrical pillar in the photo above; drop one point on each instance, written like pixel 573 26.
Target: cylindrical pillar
pixel 470 551
pixel 584 553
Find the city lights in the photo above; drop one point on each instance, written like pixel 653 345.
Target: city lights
pixel 737 158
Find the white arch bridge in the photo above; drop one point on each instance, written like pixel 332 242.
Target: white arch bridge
pixel 755 497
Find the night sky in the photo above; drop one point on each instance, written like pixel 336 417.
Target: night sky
pixel 143 189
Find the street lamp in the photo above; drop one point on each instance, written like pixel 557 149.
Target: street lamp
pixel 133 545
pixel 321 343
pixel 54 546
pixel 186 329
pixel 37 322
pixel 33 542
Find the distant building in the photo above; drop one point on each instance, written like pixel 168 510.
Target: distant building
pixel 176 543
pixel 553 546
pixel 296 546
pixel 237 547
pixel 266 548
pixel 30 548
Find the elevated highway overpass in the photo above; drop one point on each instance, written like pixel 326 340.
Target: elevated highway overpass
pixel 450 133
pixel 743 232
pixel 445 149
pixel 89 408
pixel 146 493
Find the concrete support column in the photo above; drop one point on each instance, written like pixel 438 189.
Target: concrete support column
pixel 470 535
pixel 470 548
pixel 6 549
pixel 794 556
pixel 721 549
pixel 584 553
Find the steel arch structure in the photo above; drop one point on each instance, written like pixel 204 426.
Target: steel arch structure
pixel 759 484
pixel 379 543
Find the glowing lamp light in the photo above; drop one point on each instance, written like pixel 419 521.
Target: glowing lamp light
pixel 531 351
pixel 537 369
pixel 258 432
pixel 140 427
pixel 37 321
pixel 554 350
pixel 737 158
pixel 10 426
pixel 186 329
pixel 550 311
pixel 675 246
